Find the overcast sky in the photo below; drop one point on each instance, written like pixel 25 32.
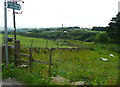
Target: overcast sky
pixel 54 13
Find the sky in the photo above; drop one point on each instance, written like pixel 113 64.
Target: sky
pixel 54 13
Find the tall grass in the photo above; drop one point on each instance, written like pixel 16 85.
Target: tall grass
pixel 75 65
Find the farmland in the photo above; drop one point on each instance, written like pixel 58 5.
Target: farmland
pixel 37 42
pixel 84 64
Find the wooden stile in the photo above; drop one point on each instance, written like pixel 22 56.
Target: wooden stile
pixel 25 55
pixel 17 51
pixel 22 61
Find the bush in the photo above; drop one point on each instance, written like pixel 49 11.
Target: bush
pixel 102 38
pixel 91 39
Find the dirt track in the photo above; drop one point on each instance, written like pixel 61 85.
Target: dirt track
pixel 10 82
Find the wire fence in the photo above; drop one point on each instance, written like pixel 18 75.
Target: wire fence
pixel 75 65
pixel 52 59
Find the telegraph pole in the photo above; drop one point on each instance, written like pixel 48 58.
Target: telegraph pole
pixel 62 26
pixel 6 32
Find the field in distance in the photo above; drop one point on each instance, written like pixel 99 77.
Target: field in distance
pixel 38 42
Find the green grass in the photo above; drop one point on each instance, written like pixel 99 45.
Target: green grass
pixel 84 65
pixel 75 65
pixel 25 76
pixel 97 31
pixel 37 42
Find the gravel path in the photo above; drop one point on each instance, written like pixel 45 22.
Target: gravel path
pixel 10 82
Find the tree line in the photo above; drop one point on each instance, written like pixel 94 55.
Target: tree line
pixel 70 35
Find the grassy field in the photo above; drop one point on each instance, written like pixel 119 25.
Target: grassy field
pixel 97 31
pixel 37 42
pixel 75 65
pixel 83 65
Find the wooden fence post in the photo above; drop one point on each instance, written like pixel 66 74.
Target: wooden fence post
pixel 50 61
pixel 38 50
pixel 17 51
pixel 30 58
pixel 57 44
pixel 47 44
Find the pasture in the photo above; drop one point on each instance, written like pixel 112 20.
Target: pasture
pixel 37 42
pixel 81 65
pixel 97 31
pixel 76 65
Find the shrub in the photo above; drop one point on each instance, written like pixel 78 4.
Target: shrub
pixel 102 38
pixel 91 39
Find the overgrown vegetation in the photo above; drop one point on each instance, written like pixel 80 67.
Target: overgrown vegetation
pixel 75 65
pixel 25 76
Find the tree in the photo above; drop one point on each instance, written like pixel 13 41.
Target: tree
pixel 99 28
pixel 114 29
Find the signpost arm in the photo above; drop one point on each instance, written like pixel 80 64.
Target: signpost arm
pixel 6 33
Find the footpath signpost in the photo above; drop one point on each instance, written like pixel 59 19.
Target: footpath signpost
pixel 15 6
pixel 12 4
